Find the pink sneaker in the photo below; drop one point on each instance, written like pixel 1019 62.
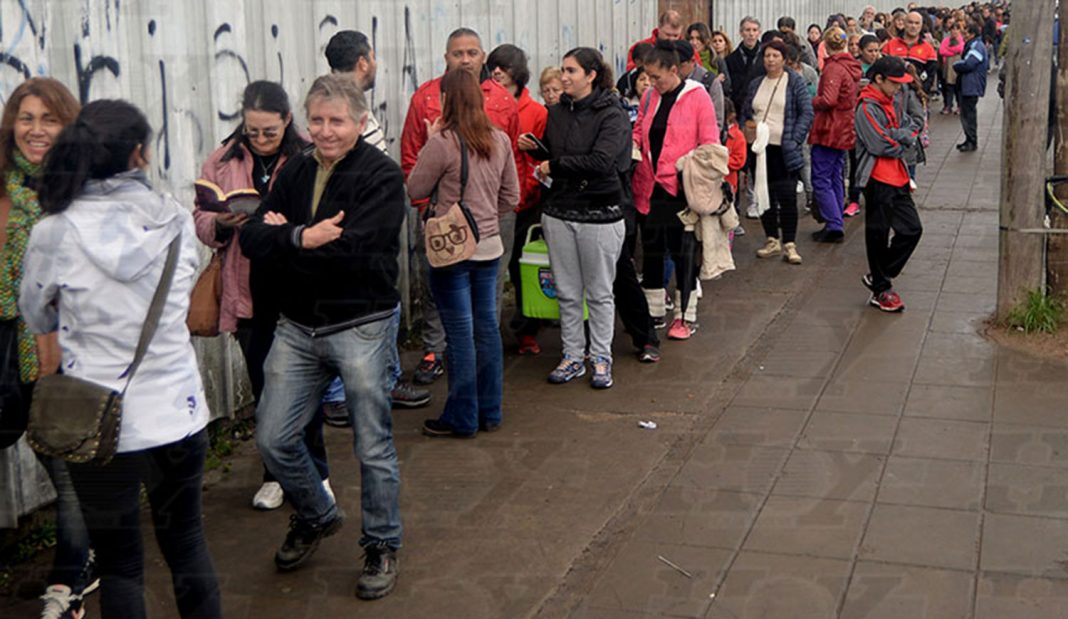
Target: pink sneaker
pixel 851 210
pixel 681 329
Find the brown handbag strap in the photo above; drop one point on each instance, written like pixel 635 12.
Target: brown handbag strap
pixel 155 309
pixel 774 91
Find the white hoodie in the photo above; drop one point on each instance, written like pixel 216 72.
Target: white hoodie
pixel 90 272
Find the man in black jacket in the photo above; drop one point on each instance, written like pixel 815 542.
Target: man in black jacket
pixel 330 231
pixel 744 64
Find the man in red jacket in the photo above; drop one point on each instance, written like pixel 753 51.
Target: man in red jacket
pixel 670 30
pixel 463 52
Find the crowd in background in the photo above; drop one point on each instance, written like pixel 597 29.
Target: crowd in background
pixel 637 184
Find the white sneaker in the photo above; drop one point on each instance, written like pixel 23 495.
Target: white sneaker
pixel 329 490
pixel 751 212
pixel 269 496
pixel 60 603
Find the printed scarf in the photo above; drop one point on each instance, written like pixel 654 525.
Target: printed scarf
pixel 25 212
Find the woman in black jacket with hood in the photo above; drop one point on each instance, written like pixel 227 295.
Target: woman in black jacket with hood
pixel 588 150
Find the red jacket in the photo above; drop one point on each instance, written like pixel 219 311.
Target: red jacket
pixel 652 41
pixel 739 150
pixel 532 119
pixel 835 103
pixel 500 106
pixel 921 53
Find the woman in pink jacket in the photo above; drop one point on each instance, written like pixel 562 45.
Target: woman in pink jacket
pixel 950 50
pixel 250 158
pixel 674 117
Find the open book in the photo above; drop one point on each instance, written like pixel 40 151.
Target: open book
pixel 211 197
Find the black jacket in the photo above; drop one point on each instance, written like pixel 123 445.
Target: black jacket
pixel 743 68
pixel 349 281
pixel 589 144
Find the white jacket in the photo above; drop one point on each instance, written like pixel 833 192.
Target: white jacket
pixel 90 272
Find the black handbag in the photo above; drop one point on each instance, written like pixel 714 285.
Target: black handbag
pixel 79 420
pixel 14 395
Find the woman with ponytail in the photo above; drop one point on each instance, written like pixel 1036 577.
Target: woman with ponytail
pixel 92 266
pixel 35 113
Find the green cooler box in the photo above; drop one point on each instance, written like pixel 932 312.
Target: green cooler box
pixel 536 278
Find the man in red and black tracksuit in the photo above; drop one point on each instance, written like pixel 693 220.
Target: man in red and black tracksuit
pixel 883 135
pixel 912 48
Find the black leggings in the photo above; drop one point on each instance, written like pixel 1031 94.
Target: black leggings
pixel 782 216
pixel 110 498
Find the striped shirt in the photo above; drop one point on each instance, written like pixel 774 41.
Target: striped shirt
pixel 373 133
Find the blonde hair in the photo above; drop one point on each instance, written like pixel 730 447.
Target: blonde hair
pixel 835 39
pixel 549 74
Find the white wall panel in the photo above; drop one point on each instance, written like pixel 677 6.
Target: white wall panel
pixel 728 14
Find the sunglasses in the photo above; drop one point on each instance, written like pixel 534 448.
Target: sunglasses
pixel 269 133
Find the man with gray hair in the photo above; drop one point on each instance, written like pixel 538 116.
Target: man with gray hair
pixel 349 53
pixel 330 231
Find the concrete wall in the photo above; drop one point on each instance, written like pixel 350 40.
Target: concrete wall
pixel 186 62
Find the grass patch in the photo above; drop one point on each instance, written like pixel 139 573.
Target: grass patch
pixel 1039 313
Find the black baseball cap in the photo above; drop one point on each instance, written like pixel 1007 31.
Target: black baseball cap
pixel 890 67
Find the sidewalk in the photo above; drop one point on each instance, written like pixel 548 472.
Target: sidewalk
pixel 814 458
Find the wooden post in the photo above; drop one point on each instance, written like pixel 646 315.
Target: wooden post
pixel 1030 52
pixel 1057 248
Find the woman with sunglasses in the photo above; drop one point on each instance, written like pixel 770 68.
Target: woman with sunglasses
pixel 250 158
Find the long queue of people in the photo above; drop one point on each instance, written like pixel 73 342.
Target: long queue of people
pixel 305 226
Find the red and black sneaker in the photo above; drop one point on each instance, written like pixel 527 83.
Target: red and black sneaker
pixel 887 301
pixel 429 370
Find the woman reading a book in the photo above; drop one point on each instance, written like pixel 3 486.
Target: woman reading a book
pixel 244 167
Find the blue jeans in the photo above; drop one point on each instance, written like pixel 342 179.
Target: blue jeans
pixel 72 537
pixel 466 296
pixel 298 371
pixel 336 391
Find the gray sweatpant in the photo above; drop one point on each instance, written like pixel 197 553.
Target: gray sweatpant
pixel 583 258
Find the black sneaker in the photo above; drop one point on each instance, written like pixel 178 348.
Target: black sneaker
pixel 380 567
pixel 649 354
pixel 489 426
pixel 336 414
pixel 407 395
pixel 868 283
pixel 430 369
pixel 659 322
pixel 828 236
pixel 435 428
pixel 302 541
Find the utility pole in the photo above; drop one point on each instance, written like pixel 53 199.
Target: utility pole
pixel 1021 264
pixel 1057 249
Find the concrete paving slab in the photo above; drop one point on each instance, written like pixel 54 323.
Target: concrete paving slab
pixel 1020 597
pixel 950 402
pixel 1025 545
pixel 922 536
pixel 1028 444
pixel 1027 490
pixel 809 527
pixel 890 591
pixel 830 475
pixel 942 438
pixel 925 482
pixel 770 586
pixel 828 431
pixel 700 517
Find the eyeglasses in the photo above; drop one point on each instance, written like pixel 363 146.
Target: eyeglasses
pixel 254 134
pixel 455 236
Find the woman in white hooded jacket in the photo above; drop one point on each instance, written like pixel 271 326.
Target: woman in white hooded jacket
pixel 90 271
